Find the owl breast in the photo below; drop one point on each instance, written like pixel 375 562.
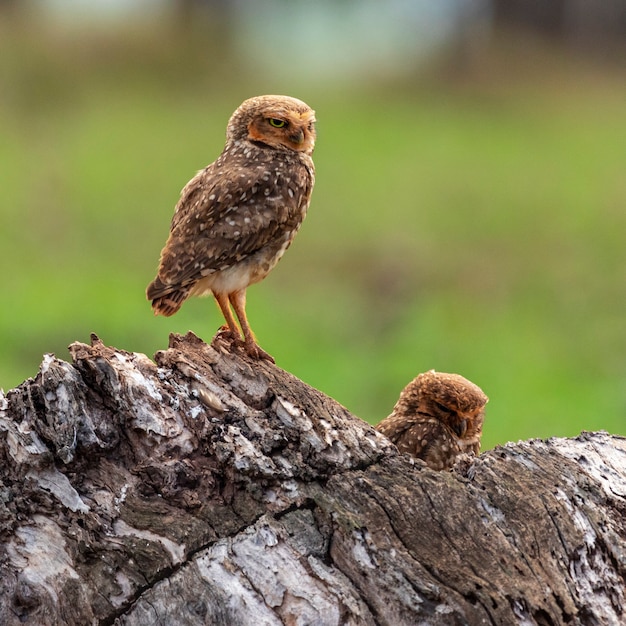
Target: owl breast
pixel 248 271
pixel 257 231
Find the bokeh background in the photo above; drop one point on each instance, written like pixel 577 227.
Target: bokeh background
pixel 469 213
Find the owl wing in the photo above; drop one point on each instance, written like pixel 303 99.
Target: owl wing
pixel 421 436
pixel 227 214
pixel 405 432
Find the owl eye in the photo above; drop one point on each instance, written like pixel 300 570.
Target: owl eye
pixel 276 123
pixel 443 408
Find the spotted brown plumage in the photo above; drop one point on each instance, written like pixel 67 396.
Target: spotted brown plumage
pixel 437 418
pixel 238 215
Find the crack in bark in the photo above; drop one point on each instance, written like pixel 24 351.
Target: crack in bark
pixel 447 584
pixel 167 573
pixel 260 595
pixel 364 597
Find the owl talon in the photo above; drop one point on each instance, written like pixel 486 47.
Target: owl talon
pixel 256 352
pixel 224 332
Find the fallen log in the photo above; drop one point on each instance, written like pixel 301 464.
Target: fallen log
pixel 207 488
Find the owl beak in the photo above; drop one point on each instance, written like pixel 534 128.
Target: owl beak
pixel 297 137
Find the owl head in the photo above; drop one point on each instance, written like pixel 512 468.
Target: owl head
pixel 456 402
pixel 278 122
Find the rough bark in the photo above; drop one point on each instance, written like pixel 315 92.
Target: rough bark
pixel 211 489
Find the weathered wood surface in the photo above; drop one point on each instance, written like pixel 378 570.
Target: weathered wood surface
pixel 211 489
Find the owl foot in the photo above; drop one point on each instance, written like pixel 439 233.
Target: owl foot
pixel 226 341
pixel 230 341
pixel 224 332
pixel 256 352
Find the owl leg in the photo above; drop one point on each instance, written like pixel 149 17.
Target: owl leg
pixel 238 300
pixel 222 301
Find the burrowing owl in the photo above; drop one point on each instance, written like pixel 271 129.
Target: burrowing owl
pixel 238 215
pixel 437 417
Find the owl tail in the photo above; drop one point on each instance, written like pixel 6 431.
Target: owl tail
pixel 166 299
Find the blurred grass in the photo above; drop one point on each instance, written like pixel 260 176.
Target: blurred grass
pixel 474 226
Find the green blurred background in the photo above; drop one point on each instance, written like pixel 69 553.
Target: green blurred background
pixel 469 212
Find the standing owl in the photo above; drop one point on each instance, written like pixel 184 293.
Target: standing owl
pixel 437 418
pixel 238 215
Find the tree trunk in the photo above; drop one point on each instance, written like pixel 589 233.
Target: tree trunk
pixel 212 489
